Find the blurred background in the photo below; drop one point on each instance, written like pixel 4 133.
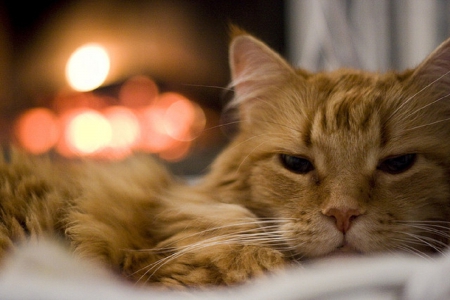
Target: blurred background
pixel 104 79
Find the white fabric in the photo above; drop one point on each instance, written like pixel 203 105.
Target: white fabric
pixel 47 272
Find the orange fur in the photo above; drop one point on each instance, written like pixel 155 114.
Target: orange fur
pixel 255 212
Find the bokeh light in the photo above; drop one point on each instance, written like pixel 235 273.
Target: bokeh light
pixel 91 124
pixel 176 152
pixel 87 67
pixel 153 137
pixel 65 101
pixel 124 128
pixel 183 120
pixel 37 130
pixel 87 131
pixel 138 92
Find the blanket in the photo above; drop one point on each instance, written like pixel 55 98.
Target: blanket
pixel 46 271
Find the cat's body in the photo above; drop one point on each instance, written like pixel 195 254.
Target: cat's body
pixel 325 163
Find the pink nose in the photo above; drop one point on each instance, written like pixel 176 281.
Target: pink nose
pixel 343 217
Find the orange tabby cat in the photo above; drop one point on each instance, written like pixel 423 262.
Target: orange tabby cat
pixel 323 163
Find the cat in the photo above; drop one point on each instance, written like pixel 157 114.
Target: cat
pixel 345 162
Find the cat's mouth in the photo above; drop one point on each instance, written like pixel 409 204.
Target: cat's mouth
pixel 344 250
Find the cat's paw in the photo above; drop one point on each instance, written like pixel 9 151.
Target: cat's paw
pixel 246 262
pixel 222 265
pixel 215 265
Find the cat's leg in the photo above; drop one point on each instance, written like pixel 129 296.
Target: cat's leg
pixel 219 265
pixel 202 264
pixel 219 244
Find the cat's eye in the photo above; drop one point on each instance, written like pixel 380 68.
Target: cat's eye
pixel 397 164
pixel 296 164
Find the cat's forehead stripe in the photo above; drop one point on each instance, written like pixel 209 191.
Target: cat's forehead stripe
pixel 347 111
pixel 306 135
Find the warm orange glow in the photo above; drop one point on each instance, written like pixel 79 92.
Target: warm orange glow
pixel 183 119
pixel 168 126
pixel 37 130
pixel 178 118
pixel 87 132
pixel 87 124
pixel 125 128
pixel 138 92
pixel 65 101
pixel 178 151
pixel 153 135
pixel 87 67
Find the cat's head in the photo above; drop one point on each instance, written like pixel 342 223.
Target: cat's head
pixel 342 160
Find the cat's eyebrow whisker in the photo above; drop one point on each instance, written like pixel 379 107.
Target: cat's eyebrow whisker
pixel 283 125
pixel 248 155
pixel 237 101
pixel 427 105
pixel 429 124
pixel 413 96
pixel 227 89
pixel 249 139
pixel 259 135
pixel 237 122
pixel 221 125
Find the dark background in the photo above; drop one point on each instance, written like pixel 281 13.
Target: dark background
pixel 23 25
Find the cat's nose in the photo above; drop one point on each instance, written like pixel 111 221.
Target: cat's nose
pixel 343 217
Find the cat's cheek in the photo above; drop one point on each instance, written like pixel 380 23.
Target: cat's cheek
pixel 277 193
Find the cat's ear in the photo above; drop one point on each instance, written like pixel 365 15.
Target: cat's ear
pixel 435 69
pixel 255 68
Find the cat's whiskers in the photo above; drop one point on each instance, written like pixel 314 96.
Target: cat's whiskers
pixel 416 94
pixel 258 238
pixel 416 239
pixel 272 238
pixel 221 125
pixel 209 230
pixel 235 103
pixel 216 87
pixel 229 239
pixel 269 235
pixel 248 140
pixel 427 105
pixel 436 227
pixel 425 222
pixel 411 250
pixel 433 230
pixel 285 126
pixel 429 124
pixel 257 222
pixel 248 155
